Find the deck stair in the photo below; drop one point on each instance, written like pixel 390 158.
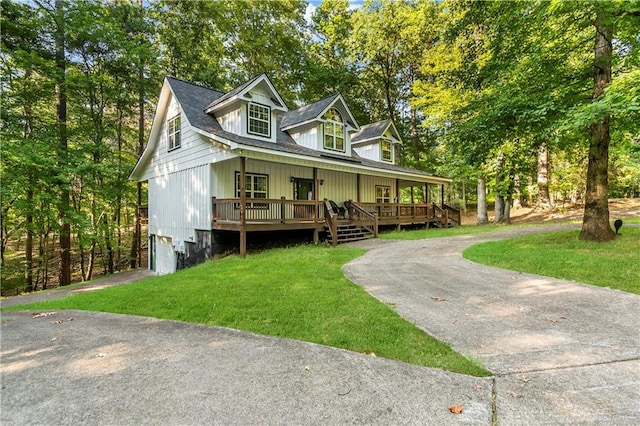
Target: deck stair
pixel 350 231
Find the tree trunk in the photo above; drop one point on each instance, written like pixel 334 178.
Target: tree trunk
pixel 483 217
pixel 595 224
pixel 499 203
pixel 543 201
pixel 136 246
pixel 61 120
pixel 414 138
pixel 28 250
pixel 506 216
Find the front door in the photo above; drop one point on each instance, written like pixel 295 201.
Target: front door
pixel 303 189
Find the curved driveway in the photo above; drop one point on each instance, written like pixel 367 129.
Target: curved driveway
pixel 562 352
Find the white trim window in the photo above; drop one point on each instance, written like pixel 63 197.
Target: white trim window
pixel 259 122
pixel 383 194
pixel 386 151
pixel 256 186
pixel 333 131
pixel 173 133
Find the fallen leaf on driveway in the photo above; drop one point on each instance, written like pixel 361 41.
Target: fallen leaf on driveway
pixel 456 409
pixel 43 314
pixel 438 299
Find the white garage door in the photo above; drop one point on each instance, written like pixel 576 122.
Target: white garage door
pixel 166 257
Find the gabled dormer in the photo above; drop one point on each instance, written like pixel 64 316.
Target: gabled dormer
pixel 250 110
pixel 377 141
pixel 324 126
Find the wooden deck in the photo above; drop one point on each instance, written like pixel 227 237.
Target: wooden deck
pixel 282 214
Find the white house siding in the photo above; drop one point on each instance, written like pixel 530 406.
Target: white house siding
pixel 180 203
pixel 371 151
pixel 368 187
pixel 307 136
pixel 338 186
pixel 231 121
pixel 223 177
pixel 195 149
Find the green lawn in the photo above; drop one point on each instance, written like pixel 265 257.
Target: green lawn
pixel 299 293
pixel 421 234
pixel 614 264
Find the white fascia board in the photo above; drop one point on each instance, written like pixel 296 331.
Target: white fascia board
pixel 346 107
pixel 152 141
pixel 274 92
pixel 295 125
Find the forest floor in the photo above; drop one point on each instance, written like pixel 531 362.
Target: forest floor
pixel 619 208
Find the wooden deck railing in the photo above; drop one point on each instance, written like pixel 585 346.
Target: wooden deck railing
pixel 454 214
pixel 389 211
pixel 362 217
pixel 282 211
pixel 331 221
pixel 265 210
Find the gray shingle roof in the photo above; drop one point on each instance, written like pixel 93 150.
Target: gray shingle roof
pixel 194 99
pixel 307 112
pixel 370 131
pixel 232 93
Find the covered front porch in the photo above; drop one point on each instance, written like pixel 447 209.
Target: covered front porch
pixel 354 203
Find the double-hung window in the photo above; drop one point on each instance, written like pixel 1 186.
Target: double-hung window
pixel 173 133
pixel 333 131
pixel 383 194
pixel 386 151
pixel 259 122
pixel 256 186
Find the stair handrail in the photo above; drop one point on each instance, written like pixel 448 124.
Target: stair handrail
pixel 363 218
pixel 331 221
pixel 454 214
pixel 439 213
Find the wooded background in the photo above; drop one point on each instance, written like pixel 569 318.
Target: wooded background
pixel 524 99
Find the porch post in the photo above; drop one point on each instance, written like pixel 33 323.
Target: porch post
pixel 243 205
pixel 411 194
pixel 316 200
pixel 358 188
pixel 442 195
pixel 426 193
pixel 398 226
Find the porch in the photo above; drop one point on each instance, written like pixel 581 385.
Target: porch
pixel 354 221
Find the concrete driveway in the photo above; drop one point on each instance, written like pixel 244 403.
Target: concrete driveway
pixel 561 352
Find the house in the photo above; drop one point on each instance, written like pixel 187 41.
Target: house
pixel 220 164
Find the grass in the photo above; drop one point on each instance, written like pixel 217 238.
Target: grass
pixel 421 234
pixel 299 293
pixel 612 264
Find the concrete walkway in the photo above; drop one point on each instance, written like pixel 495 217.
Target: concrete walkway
pixel 561 352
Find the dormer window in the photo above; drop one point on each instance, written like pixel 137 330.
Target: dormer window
pixel 259 123
pixel 386 150
pixel 333 131
pixel 173 133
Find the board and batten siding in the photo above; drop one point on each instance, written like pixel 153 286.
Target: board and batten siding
pixel 223 177
pixel 195 150
pixel 231 121
pixel 336 186
pixel 371 151
pixel 368 187
pixel 307 136
pixel 180 203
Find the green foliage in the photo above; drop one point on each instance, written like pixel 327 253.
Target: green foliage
pixel 613 264
pixel 299 293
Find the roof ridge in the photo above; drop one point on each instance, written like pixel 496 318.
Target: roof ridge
pixel 193 84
